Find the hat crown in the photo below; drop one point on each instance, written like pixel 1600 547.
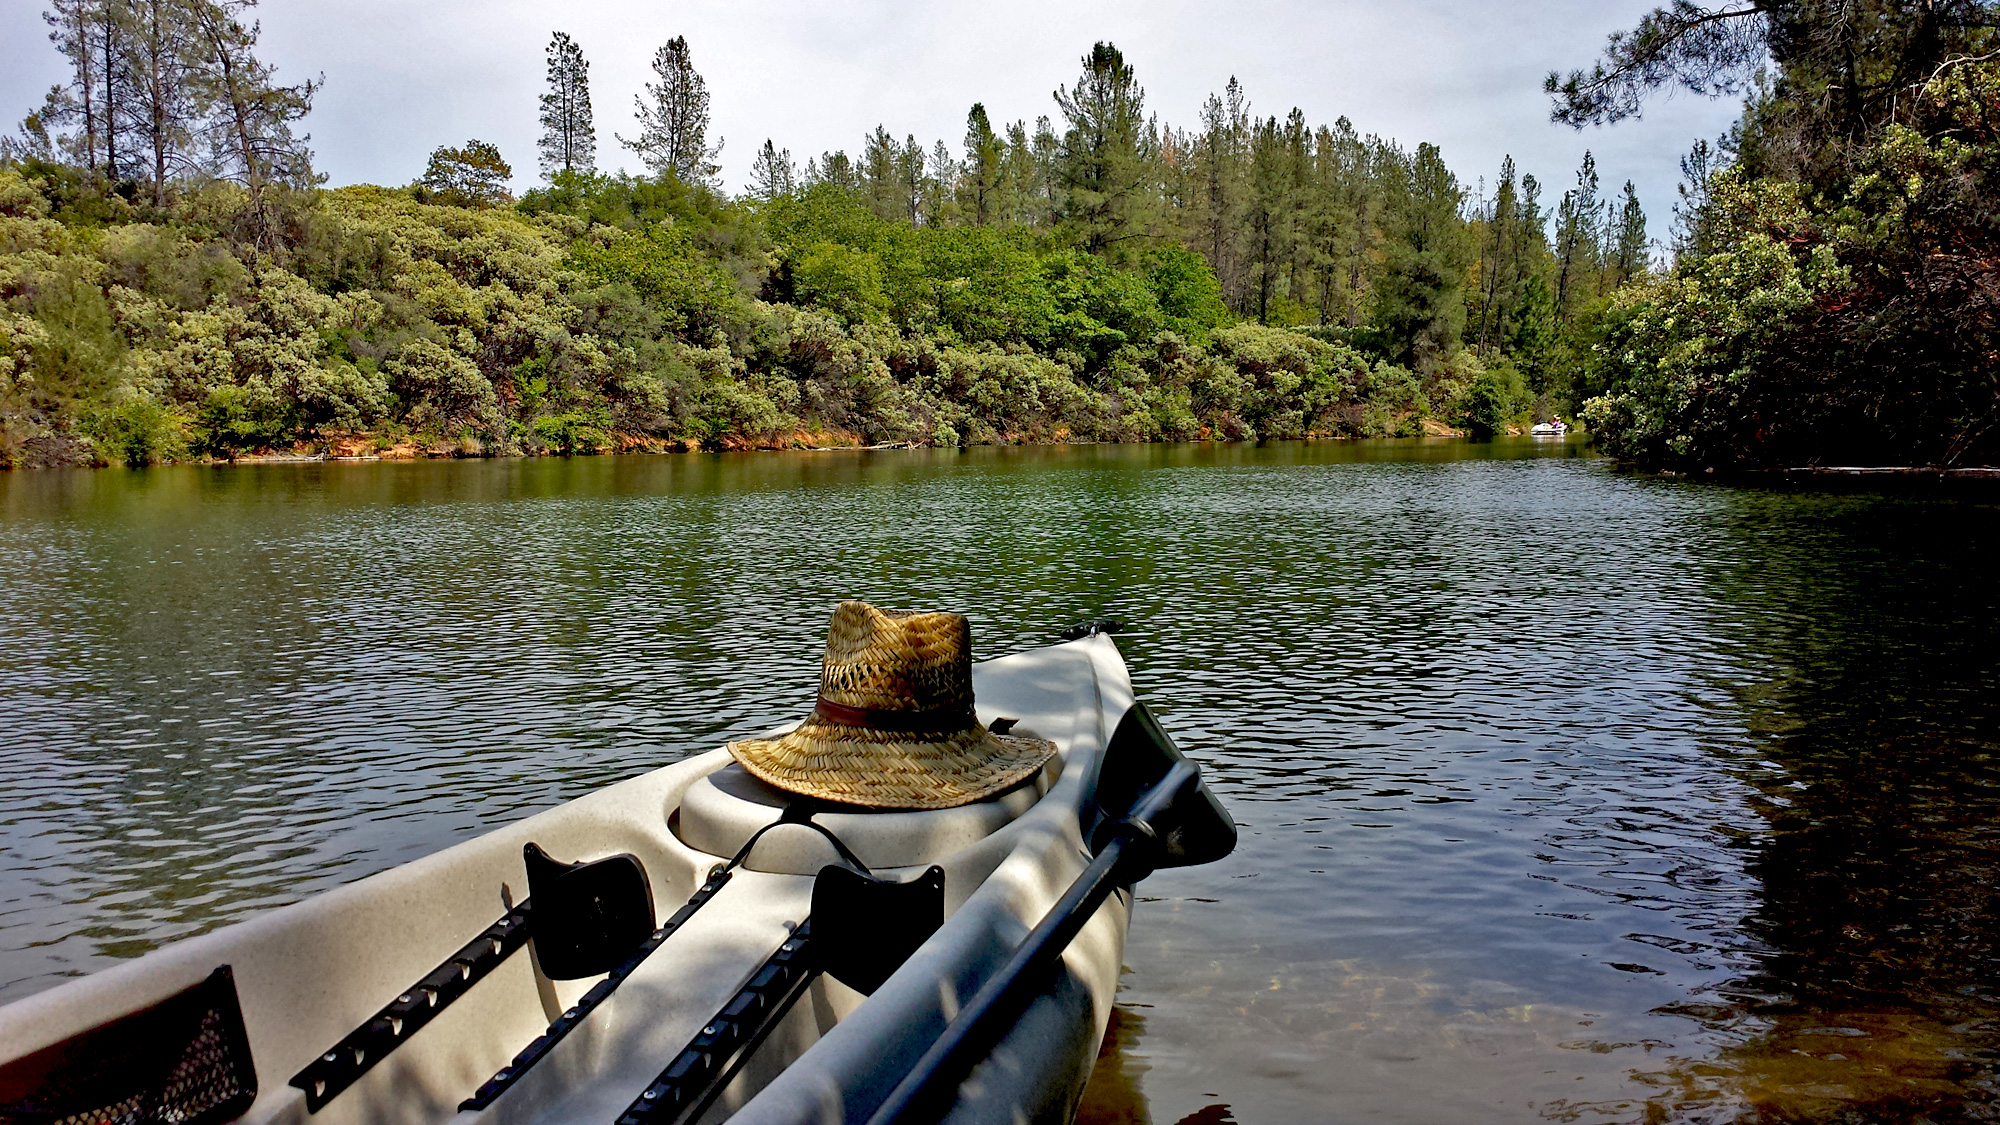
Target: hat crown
pixel 889 661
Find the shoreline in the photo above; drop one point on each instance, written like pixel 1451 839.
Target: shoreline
pixel 411 451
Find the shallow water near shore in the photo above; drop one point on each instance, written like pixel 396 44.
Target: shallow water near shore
pixel 1565 795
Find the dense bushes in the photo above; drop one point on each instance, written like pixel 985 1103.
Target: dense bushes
pixel 1860 325
pixel 1847 315
pixel 610 313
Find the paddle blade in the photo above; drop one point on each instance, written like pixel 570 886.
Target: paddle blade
pixel 1193 829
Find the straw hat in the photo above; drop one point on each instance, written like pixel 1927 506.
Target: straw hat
pixel 894 727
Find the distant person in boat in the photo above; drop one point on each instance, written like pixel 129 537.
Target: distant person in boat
pixel 894 726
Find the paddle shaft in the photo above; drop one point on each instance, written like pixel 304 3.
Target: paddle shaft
pixel 927 1091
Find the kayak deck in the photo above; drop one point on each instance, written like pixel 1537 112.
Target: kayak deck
pixel 308 975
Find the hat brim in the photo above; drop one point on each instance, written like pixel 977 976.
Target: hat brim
pixel 893 769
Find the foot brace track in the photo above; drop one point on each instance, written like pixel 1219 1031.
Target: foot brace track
pixel 326 1076
pixel 698 1074
pixel 598 994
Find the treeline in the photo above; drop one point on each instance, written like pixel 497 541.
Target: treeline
pixel 166 92
pixel 1836 291
pixel 1101 278
pixel 1302 225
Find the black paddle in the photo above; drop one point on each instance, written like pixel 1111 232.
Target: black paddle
pixel 1173 822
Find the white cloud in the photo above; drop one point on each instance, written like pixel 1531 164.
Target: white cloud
pixel 404 77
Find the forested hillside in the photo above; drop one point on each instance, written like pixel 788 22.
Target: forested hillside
pixel 177 282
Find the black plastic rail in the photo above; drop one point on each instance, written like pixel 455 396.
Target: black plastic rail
pixel 697 1076
pixel 534 1052
pixel 326 1076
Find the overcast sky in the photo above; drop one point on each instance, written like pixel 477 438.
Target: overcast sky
pixel 404 76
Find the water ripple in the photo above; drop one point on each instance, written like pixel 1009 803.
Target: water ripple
pixel 1564 795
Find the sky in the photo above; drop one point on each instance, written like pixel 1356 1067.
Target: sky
pixel 405 76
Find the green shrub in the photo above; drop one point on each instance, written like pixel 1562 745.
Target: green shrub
pixel 137 431
pixel 1494 397
pixel 236 419
pixel 574 431
pixel 845 282
pixel 439 388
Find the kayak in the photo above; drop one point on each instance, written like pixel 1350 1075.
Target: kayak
pixel 685 946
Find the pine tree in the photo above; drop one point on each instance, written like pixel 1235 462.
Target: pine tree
pixel 1105 165
pixel 569 137
pixel 835 169
pixel 941 186
pixel 1018 178
pixel 161 90
pixel 1320 225
pixel 73 28
pixel 673 125
pixel 1628 256
pixel 1221 155
pixel 1268 212
pixel 985 164
pixel 1499 265
pixel 249 123
pixel 1298 194
pixel 95 36
pixel 1355 165
pixel 1697 166
pixel 158 101
pixel 1579 217
pixel 772 173
pixel 1045 208
pixel 878 173
pixel 1419 302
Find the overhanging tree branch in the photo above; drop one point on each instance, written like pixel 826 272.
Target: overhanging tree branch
pixel 1709 51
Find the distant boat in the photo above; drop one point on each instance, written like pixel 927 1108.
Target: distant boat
pixel 1552 428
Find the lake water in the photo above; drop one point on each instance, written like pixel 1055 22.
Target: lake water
pixel 1566 795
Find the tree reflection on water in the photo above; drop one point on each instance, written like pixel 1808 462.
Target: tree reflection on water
pixel 1872 762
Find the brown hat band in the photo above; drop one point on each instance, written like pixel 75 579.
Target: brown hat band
pixel 877 718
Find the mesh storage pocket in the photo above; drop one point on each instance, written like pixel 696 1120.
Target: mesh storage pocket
pixel 183 1061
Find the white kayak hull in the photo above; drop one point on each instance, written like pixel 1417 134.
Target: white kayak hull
pixel 306 975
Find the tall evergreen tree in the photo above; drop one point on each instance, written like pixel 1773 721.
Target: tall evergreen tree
pixel 940 204
pixel 1222 155
pixel 156 77
pixel 569 136
pixel 1041 204
pixel 1355 166
pixel 74 26
pixel 250 118
pixel 95 36
pixel 910 180
pixel 985 165
pixel 1500 263
pixel 1697 166
pixel 1419 302
pixel 1321 223
pixel 835 169
pixel 1579 217
pixel 1298 171
pixel 1105 164
pixel 772 174
pixel 1629 249
pixel 1268 214
pixel 878 173
pixel 673 119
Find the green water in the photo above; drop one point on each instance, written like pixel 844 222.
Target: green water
pixel 1566 795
